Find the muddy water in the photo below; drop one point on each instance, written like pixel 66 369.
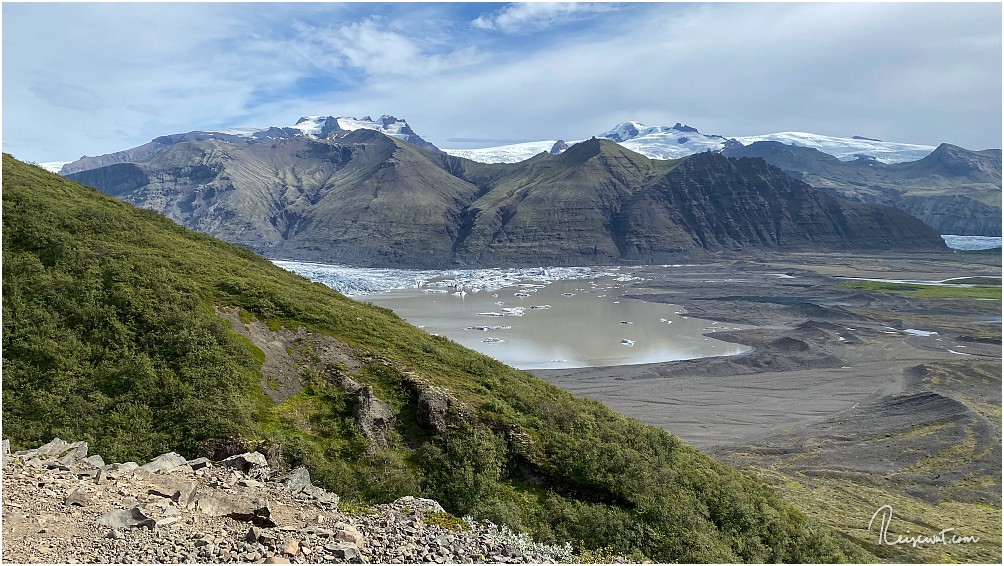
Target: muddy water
pixel 589 323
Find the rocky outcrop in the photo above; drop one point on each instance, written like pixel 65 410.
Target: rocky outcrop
pixel 558 147
pixel 62 506
pixel 375 418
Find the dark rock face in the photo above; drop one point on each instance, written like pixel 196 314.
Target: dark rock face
pixel 558 147
pixel 953 190
pixel 366 199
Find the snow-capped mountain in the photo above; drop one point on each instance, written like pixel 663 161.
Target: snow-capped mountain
pixel 311 126
pixel 321 126
pixel 680 140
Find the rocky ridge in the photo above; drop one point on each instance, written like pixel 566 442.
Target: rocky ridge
pixel 61 505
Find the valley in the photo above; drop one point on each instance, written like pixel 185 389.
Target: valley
pixel 862 382
pixel 849 400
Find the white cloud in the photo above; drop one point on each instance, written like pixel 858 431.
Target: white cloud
pixel 526 17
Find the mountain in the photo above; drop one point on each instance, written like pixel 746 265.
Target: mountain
pixel 953 190
pixel 367 199
pixel 307 126
pixel 681 140
pixel 139 336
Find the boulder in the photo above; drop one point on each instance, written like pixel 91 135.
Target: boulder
pixel 248 463
pixel 297 480
pixel 255 510
pixel 320 495
pixel 78 497
pixel 199 463
pixel 180 491
pixel 94 461
pixel 348 533
pixel 122 519
pixel 345 552
pixel 164 463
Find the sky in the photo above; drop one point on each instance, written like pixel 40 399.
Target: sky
pixel 88 79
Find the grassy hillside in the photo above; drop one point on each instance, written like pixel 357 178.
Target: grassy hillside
pixel 120 328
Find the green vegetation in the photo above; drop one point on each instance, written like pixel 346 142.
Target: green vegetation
pixel 110 335
pixel 928 291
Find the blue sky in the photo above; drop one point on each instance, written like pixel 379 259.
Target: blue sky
pixel 90 79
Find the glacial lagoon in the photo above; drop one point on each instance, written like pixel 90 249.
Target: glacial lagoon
pixel 535 318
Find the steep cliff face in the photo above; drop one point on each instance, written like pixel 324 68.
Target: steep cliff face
pixel 367 199
pixel 953 190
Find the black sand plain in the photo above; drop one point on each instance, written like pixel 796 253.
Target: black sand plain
pixel 839 403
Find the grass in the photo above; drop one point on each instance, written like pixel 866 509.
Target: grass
pixel 927 291
pixel 111 335
pixel 844 496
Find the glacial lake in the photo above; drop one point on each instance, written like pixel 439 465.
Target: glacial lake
pixel 536 319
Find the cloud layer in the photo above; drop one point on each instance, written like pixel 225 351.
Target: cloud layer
pixel 95 78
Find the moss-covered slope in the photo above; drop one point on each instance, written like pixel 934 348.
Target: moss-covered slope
pixel 128 331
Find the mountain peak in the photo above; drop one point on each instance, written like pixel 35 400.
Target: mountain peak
pixel 624 131
pixel 685 128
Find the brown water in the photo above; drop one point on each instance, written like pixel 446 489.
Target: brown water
pixel 594 326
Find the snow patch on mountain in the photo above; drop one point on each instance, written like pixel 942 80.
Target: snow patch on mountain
pixel 53 166
pixel 847 149
pixel 681 140
pixel 506 153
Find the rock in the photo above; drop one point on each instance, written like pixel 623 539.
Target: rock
pixel 351 535
pixel 180 491
pixel 419 504
pixel 374 417
pixel 252 535
pixel 276 560
pixel 344 551
pixel 95 461
pixel 292 548
pixel 73 452
pixel 6 447
pixel 199 463
pixel 78 497
pixel 164 463
pixel 433 404
pixel 122 519
pixel 125 468
pixel 255 510
pixel 249 463
pixel 321 495
pixel 297 480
